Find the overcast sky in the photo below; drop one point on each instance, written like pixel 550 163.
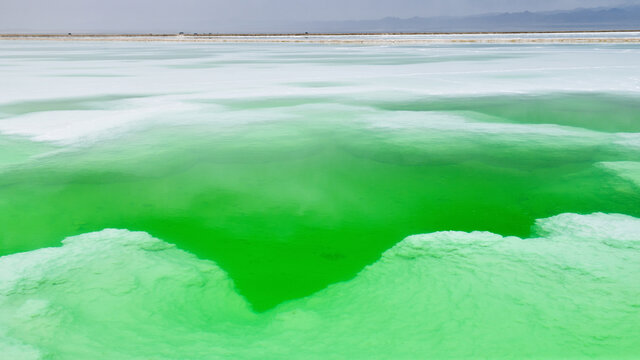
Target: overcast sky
pixel 121 16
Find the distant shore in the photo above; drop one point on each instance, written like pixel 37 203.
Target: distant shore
pixel 550 37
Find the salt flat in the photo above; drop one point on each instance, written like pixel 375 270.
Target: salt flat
pixel 320 197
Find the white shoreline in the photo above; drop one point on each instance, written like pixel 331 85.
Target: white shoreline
pixel 373 39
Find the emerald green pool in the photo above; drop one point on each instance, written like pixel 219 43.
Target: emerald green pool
pixel 296 213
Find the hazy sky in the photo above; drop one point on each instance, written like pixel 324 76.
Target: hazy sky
pixel 238 15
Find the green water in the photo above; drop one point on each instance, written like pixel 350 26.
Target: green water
pixel 280 202
pixel 288 207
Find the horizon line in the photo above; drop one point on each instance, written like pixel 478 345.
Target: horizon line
pixel 266 34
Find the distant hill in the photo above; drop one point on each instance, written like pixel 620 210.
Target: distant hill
pixel 621 18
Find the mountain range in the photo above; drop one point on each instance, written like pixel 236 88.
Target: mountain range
pixel 619 18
